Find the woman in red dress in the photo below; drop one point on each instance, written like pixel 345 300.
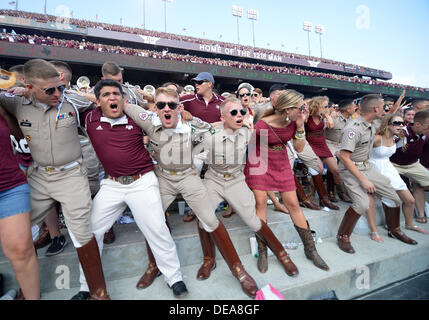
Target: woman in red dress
pixel 268 166
pixel 315 128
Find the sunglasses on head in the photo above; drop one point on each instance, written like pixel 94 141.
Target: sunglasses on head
pixel 245 94
pixel 398 123
pixel 171 105
pixel 51 91
pixel 234 112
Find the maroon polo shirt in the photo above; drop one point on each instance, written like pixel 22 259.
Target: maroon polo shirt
pixel 120 148
pixel 198 107
pixel 11 175
pixel 415 144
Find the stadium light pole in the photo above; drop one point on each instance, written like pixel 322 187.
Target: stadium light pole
pixel 320 30
pixel 165 14
pixel 44 9
pixel 253 15
pixel 308 27
pixel 237 12
pixel 144 14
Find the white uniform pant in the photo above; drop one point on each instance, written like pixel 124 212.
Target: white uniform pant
pixel 144 200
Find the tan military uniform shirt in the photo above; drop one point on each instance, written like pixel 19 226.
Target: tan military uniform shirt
pixel 51 132
pixel 133 95
pixel 333 136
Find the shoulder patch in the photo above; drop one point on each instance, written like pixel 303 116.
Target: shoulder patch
pixel 352 135
pixel 143 116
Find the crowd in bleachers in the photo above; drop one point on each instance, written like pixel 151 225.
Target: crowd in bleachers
pixel 87 45
pixel 170 36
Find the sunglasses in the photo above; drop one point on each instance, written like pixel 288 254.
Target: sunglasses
pixel 398 124
pixel 234 112
pixel 255 95
pixel 245 94
pixel 200 82
pixel 51 91
pixel 171 105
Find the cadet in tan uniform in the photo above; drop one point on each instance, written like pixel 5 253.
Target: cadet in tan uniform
pixel 174 141
pixel 361 179
pixel 57 173
pixel 225 154
pixel 346 108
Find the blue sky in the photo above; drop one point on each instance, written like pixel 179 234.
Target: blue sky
pixel 386 34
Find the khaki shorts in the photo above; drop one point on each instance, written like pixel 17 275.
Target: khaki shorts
pixel 416 172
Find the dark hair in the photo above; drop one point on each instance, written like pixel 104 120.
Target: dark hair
pixel 111 68
pixel 386 99
pixel 19 68
pixel 421 116
pixel 64 67
pixel 106 83
pixel 344 104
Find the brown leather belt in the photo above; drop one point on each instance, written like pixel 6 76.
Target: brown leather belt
pixel 276 148
pixel 314 134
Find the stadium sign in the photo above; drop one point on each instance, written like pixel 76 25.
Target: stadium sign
pixel 28 51
pixel 42 25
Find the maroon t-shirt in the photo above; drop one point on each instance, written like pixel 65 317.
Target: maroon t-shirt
pixel 198 107
pixel 11 175
pixel 415 144
pixel 120 148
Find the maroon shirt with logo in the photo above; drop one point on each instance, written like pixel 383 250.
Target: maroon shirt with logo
pixel 120 148
pixel 11 175
pixel 415 144
pixel 199 108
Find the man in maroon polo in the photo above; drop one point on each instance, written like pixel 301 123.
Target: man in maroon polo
pixel 205 104
pixel 406 159
pixel 131 182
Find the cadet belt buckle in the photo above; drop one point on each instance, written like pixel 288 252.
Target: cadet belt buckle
pixel 227 176
pixel 126 180
pixel 50 169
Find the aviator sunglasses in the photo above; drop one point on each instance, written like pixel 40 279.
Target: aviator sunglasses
pixel 171 105
pixel 235 112
pixel 51 91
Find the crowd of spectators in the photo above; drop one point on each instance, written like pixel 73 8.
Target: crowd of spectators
pixel 86 45
pixel 170 36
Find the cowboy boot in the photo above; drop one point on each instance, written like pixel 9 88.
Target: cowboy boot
pixel 152 271
pixel 393 225
pixel 90 260
pixel 262 255
pixel 226 248
pixel 209 252
pixel 330 185
pixel 109 236
pixel 346 228
pixel 302 197
pixel 323 195
pixel 310 247
pixel 44 238
pixel 268 237
pixel 342 193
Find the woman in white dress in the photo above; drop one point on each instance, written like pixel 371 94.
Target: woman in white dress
pixel 384 147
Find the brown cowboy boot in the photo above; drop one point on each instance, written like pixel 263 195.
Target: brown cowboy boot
pixel 262 255
pixel 302 197
pixel 226 248
pixel 310 247
pixel 90 260
pixel 342 193
pixel 152 271
pixel 346 228
pixel 330 185
pixel 267 236
pixel 209 252
pixel 44 238
pixel 323 195
pixel 393 225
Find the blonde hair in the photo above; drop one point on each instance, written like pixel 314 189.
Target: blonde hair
pixel 316 104
pixel 39 69
pixel 166 91
pixel 231 100
pixel 385 122
pixel 287 99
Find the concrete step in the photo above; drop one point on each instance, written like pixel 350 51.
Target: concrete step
pixel 373 266
pixel 126 258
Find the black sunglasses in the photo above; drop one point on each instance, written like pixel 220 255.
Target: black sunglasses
pixel 245 94
pixel 235 112
pixel 171 105
pixel 398 123
pixel 51 91
pixel 200 82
